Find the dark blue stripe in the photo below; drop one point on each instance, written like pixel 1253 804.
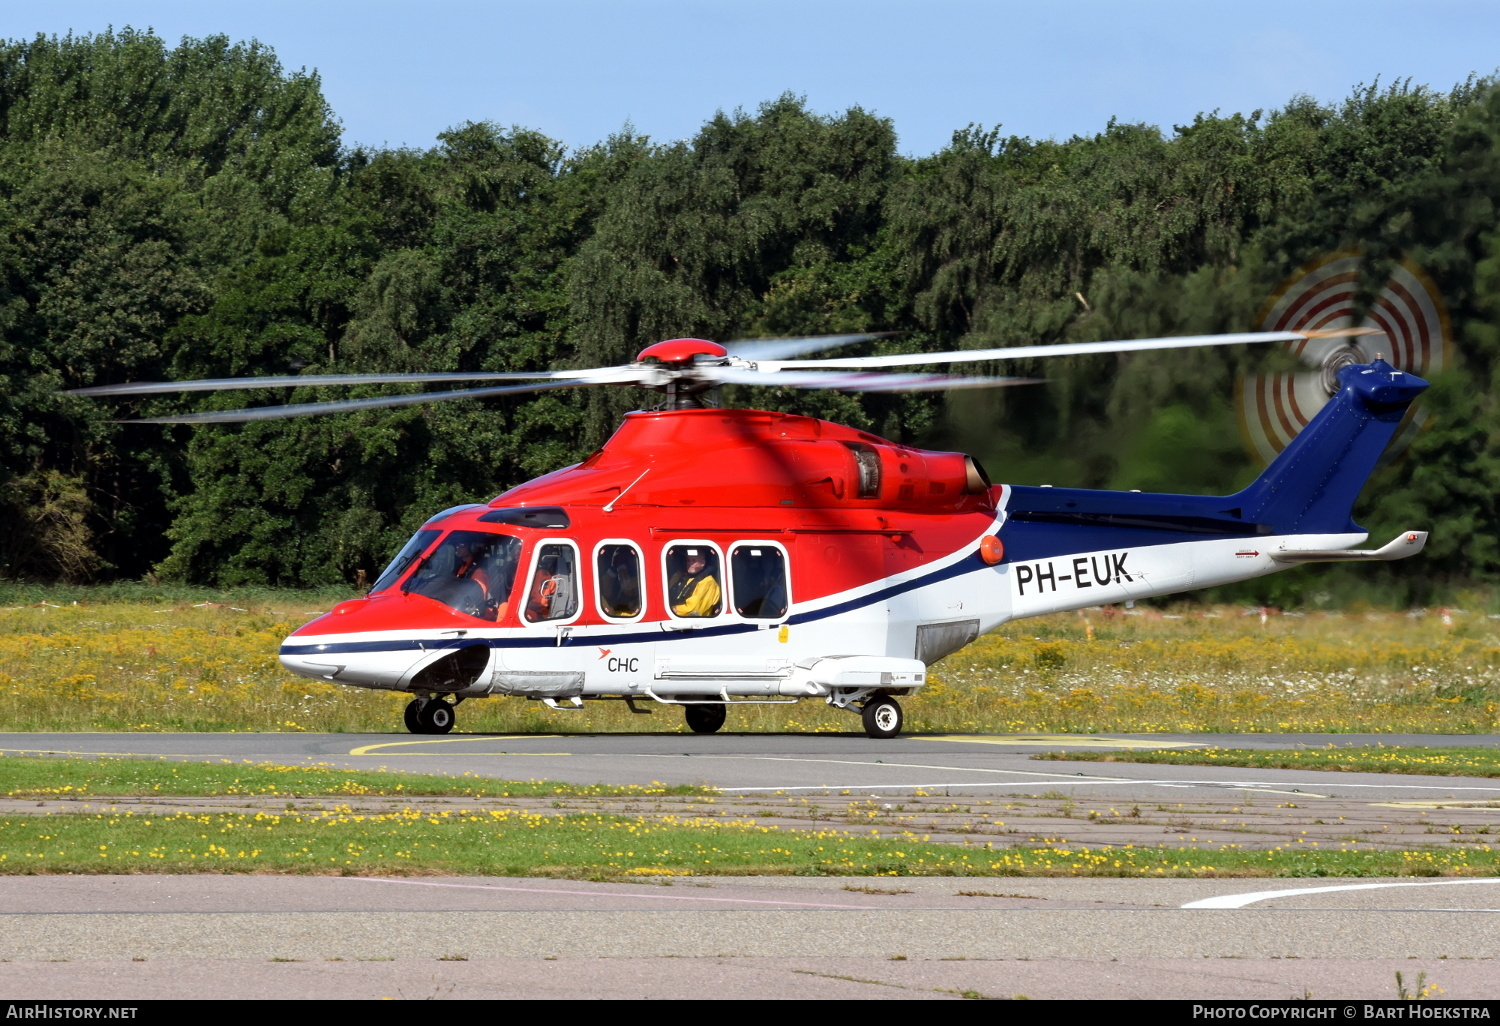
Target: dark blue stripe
pixel 970 564
pixel 1106 521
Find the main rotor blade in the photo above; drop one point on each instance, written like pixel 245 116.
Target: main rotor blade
pixel 880 382
pixel 380 402
pixel 1338 332
pixel 782 348
pixel 300 380
pixel 1062 349
pixel 1321 343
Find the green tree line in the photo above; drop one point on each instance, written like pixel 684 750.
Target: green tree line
pixel 188 211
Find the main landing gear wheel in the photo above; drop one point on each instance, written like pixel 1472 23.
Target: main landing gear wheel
pixel 704 719
pixel 882 717
pixel 429 716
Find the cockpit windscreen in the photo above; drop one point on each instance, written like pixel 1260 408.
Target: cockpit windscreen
pixel 404 559
pixel 470 571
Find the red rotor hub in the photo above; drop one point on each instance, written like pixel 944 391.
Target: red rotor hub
pixel 681 350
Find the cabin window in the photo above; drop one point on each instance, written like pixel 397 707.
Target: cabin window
pixel 758 572
pixel 470 571
pixel 553 591
pixel 694 580
pixel 618 577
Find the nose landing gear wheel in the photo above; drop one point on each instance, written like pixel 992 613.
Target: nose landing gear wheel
pixel 704 719
pixel 429 716
pixel 882 717
pixel 438 717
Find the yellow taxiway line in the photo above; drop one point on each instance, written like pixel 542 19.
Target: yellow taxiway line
pixel 371 749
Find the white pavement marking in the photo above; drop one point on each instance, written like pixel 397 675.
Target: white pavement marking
pixel 1064 782
pixel 1272 786
pixel 1056 778
pixel 1241 900
pixel 598 894
pixel 896 787
pixel 892 765
pixel 1275 786
pixel 1066 740
pixel 1289 783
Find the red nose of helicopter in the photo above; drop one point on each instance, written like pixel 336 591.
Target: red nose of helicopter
pixel 360 642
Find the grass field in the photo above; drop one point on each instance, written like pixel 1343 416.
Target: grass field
pixel 1447 762
pixel 506 842
pixel 35 777
pixel 142 662
pixel 692 836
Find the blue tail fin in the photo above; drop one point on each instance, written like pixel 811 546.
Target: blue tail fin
pixel 1311 486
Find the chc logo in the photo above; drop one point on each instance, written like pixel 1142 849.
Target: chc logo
pixel 620 664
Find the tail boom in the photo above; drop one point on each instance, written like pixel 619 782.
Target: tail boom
pixel 1067 548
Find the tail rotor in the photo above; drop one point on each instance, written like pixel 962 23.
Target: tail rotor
pixel 1319 302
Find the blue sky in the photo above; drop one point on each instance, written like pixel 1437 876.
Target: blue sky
pixel 579 70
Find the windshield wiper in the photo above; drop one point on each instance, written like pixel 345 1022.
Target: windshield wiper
pixel 406 584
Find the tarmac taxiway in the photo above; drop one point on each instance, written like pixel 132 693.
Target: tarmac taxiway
pixel 135 937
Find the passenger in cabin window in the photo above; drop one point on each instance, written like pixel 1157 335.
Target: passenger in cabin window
pixel 539 602
pixel 694 590
pixel 773 606
pixel 759 574
pixel 619 581
pixel 749 585
pixel 552 595
pixel 565 601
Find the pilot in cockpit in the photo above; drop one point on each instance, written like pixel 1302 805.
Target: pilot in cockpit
pixel 468 566
pixel 484 572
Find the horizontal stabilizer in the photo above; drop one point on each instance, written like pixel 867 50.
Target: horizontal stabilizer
pixel 1407 543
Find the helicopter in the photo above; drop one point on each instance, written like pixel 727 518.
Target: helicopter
pixel 708 557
